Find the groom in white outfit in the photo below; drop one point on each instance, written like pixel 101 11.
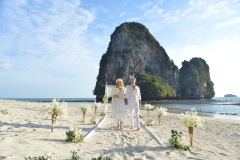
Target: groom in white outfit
pixel 133 100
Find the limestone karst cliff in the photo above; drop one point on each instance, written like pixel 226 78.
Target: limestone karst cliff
pixel 195 81
pixel 132 48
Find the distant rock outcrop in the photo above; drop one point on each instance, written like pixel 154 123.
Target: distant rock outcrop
pixel 195 81
pixel 133 48
pixel 230 95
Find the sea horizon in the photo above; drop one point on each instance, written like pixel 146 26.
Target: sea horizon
pixel 87 98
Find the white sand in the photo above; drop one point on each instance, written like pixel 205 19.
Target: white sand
pixel 25 132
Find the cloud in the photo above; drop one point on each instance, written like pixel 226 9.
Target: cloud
pixel 5 65
pixel 146 5
pixel 49 44
pixel 55 27
pixel 153 12
pixel 48 33
pixel 194 11
pixel 231 22
pixel 122 14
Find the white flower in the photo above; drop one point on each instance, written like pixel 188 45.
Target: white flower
pixel 148 106
pixel 56 108
pixel 115 91
pixel 96 105
pixel 85 107
pixel 162 111
pixel 105 99
pixel 190 119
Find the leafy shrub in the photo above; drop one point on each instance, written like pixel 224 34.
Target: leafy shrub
pixel 102 158
pixel 93 121
pixel 140 115
pixel 103 113
pixel 75 156
pixel 176 140
pixel 75 135
pixel 150 122
pixel 4 111
pixel 36 158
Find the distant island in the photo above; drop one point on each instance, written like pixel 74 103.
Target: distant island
pixel 230 95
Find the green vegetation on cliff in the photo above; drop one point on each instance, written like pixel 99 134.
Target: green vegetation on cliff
pixel 154 87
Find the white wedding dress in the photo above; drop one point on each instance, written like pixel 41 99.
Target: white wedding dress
pixel 119 109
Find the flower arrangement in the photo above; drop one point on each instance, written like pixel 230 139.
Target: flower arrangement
pixel 162 111
pixel 148 107
pixel 105 99
pixel 55 109
pixel 85 108
pixel 94 120
pixel 103 113
pixel 106 110
pixel 176 140
pixel 190 119
pixel 115 92
pixel 150 122
pixel 74 135
pixel 96 106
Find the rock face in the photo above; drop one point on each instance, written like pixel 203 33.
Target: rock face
pixel 133 48
pixel 195 81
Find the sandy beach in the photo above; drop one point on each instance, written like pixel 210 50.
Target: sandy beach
pixel 25 132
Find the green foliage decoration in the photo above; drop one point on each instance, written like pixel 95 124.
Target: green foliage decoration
pixel 4 111
pixel 75 156
pixel 74 135
pixel 176 140
pixel 102 158
pixel 35 158
pixel 150 122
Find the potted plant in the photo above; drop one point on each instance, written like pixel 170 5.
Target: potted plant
pixel 55 109
pixel 191 120
pixel 148 107
pixel 85 108
pixel 162 111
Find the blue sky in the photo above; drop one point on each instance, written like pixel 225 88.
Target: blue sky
pixel 53 48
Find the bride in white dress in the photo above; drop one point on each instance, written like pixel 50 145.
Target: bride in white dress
pixel 119 109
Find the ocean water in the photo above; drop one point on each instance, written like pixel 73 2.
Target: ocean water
pixel 221 107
